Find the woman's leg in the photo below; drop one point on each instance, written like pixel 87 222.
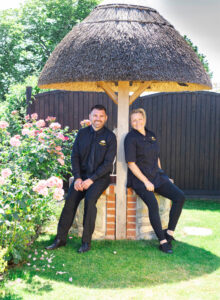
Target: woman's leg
pixel 151 202
pixel 172 192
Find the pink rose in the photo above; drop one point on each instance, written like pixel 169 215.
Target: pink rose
pixel 15 142
pixel 55 182
pixel 25 131
pixel 3 124
pixel 61 161
pixel 42 184
pixel 66 138
pixel 85 123
pixel 61 136
pixel 55 126
pixel 27 125
pixel 58 148
pixel 17 136
pixel 2 180
pixel 50 119
pixel 41 137
pixel 58 194
pixel 6 172
pixel 27 117
pixel 40 123
pixel 43 192
pixel 34 116
pixel 14 112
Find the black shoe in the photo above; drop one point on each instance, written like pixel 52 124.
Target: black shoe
pixel 168 237
pixel 56 244
pixel 166 248
pixel 84 248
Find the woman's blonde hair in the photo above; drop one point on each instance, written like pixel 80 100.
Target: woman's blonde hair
pixel 139 111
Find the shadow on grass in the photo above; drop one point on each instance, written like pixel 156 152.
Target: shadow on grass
pixel 136 264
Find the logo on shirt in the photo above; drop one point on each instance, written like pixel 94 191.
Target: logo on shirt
pixel 102 143
pixel 153 138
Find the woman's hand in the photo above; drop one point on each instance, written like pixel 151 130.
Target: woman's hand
pixel 149 186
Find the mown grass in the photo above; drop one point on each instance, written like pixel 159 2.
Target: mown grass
pixel 138 270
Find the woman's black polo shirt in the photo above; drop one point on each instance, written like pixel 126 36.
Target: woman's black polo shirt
pixel 144 151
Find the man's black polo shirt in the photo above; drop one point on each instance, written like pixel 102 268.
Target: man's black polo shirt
pixel 144 151
pixel 102 144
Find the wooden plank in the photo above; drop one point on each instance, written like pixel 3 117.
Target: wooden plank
pixel 198 137
pixel 207 142
pixel 121 166
pixel 106 87
pixel 178 172
pixel 202 143
pixel 217 146
pixel 212 129
pixel 169 136
pixel 183 141
pixel 192 141
pixel 163 153
pixel 143 86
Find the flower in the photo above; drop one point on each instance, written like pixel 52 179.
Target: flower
pixel 25 131
pixel 55 182
pixel 85 123
pixel 14 112
pixel 50 119
pixel 55 126
pixel 40 123
pixel 15 142
pixel 41 137
pixel 27 117
pixel 2 180
pixel 58 194
pixel 61 161
pixel 61 136
pixel 17 136
pixel 6 172
pixel 43 191
pixel 34 116
pixel 3 124
pixel 41 185
pixel 58 148
pixel 27 125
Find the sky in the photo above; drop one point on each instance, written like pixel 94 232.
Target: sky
pixel 198 19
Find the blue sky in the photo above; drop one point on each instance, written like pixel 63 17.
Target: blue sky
pixel 198 19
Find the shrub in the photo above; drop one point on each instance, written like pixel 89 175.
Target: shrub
pixel 32 165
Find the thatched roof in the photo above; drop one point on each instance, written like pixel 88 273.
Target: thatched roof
pixel 120 41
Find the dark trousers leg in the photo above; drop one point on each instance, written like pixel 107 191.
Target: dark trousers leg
pixel 68 213
pixel 91 197
pixel 171 191
pixel 151 202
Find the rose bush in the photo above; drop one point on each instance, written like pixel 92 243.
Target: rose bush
pixel 33 163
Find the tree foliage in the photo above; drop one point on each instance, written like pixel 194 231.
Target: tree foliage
pixel 28 35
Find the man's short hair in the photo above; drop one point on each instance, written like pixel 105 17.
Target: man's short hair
pixel 99 107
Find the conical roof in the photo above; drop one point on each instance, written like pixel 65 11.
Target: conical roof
pixel 124 40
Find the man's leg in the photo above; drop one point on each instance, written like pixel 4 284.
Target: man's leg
pixel 72 201
pixel 90 210
pixel 67 216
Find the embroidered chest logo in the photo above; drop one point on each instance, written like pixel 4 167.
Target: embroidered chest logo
pixel 153 138
pixel 102 143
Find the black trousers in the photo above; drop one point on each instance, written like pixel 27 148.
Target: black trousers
pixel 71 204
pixel 170 191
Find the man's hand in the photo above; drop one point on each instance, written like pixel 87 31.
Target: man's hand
pixel 149 186
pixel 87 183
pixel 78 185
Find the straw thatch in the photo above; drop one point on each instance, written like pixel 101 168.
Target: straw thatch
pixel 124 42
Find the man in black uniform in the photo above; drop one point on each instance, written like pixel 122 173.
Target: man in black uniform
pixel 92 159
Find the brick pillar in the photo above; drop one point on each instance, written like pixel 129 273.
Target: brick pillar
pixel 111 212
pixel 131 214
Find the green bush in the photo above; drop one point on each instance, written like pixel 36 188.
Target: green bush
pixel 32 166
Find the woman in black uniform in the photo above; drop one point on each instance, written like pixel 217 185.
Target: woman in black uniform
pixel 146 176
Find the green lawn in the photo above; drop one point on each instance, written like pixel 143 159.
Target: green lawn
pixel 137 271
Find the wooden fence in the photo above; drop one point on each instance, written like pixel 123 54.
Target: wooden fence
pixel 186 124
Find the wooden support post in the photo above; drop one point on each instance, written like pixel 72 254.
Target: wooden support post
pixel 28 98
pixel 106 87
pixel 122 130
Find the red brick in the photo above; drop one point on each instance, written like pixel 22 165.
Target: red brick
pixel 131 198
pixel 111 219
pixel 131 212
pixel 111 189
pixel 131 219
pixel 130 191
pixel 110 237
pixel 131 205
pixel 110 232
pixel 110 205
pixel 131 226
pixel 111 198
pixel 111 212
pixel 110 226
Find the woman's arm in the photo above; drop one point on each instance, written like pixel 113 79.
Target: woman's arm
pixel 159 163
pixel 137 172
